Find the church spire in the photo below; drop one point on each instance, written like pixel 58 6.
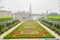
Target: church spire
pixel 30 10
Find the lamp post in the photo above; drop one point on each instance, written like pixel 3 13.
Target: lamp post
pixel 46 15
pixel 59 6
pixel 0 10
pixel 59 9
pixel 1 7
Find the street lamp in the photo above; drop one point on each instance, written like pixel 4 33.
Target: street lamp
pixel 1 7
pixel 59 8
pixel 0 10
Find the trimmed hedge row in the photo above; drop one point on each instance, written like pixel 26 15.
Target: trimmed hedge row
pixel 52 26
pixel 6 18
pixel 27 37
pixel 54 18
pixel 7 25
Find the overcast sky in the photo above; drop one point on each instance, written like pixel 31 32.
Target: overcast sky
pixel 38 6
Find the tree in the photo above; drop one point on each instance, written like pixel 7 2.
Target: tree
pixel 53 14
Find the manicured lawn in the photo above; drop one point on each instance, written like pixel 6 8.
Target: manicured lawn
pixel 6 18
pixel 29 30
pixel 54 18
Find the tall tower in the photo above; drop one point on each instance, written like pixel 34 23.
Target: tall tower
pixel 59 9
pixel 30 8
pixel 46 15
pixel 30 11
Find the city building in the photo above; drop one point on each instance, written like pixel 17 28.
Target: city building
pixel 23 16
pixel 4 13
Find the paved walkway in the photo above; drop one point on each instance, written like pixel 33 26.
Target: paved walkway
pixel 52 32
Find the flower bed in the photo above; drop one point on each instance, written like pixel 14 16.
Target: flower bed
pixel 24 31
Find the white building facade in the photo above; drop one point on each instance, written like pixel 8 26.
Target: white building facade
pixel 4 13
pixel 23 16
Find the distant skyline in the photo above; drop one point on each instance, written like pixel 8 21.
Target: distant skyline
pixel 38 6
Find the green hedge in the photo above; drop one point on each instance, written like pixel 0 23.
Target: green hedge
pixel 55 27
pixel 6 18
pixel 54 18
pixel 7 26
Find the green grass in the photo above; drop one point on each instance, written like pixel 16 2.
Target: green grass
pixel 6 18
pixel 29 27
pixel 54 18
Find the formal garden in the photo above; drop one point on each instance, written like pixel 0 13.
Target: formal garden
pixel 52 22
pixel 29 29
pixel 7 23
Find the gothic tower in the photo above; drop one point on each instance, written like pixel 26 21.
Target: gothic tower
pixel 30 11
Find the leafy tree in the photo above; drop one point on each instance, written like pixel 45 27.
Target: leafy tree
pixel 53 14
